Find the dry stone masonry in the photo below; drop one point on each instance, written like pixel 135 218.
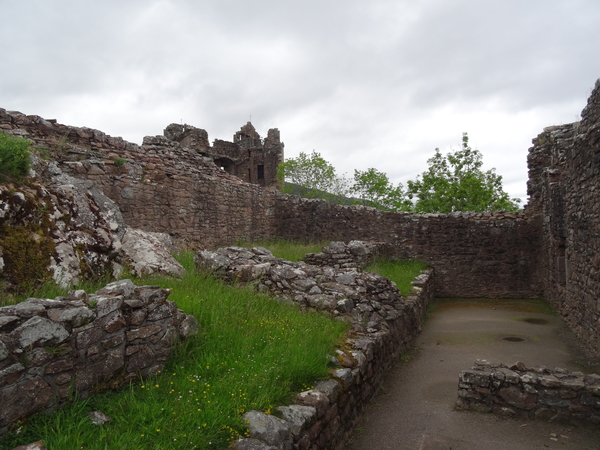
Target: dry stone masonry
pixel 530 392
pixel 163 185
pixel 564 189
pixel 473 254
pixel 81 204
pixel 383 325
pixel 54 349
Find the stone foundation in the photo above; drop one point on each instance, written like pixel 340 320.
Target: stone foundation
pixel 530 392
pixel 52 350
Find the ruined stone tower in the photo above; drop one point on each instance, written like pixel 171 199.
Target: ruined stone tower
pixel 248 157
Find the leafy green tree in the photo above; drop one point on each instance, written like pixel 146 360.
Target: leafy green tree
pixel 312 175
pixel 375 189
pixel 456 182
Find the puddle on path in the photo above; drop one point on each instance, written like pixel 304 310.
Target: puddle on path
pixel 535 321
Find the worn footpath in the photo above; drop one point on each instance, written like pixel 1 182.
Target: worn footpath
pixel 415 409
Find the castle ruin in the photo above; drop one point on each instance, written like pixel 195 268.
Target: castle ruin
pixel 208 196
pixel 248 157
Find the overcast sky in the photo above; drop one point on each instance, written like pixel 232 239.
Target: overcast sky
pixel 378 83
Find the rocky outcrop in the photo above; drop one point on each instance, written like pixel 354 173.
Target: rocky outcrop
pixel 58 226
pixel 530 392
pixel 52 349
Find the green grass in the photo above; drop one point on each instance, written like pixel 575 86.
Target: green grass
pixel 289 250
pixel 14 157
pixel 400 272
pixel 50 289
pixel 252 353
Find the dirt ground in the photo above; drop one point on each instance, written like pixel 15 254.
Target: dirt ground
pixel 414 410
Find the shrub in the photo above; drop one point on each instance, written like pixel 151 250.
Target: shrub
pixel 14 157
pixel 119 161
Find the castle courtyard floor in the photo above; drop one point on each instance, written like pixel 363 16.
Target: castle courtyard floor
pixel 414 410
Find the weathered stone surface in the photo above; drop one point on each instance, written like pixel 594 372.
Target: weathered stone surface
pixel 270 429
pixel 81 346
pixel 189 326
pixel 23 399
pixel 252 444
pixel 76 317
pixel 344 376
pixel 99 418
pixel 514 396
pixel 3 351
pixel 39 330
pixel 298 417
pixel 123 288
pixel 39 445
pixel 146 254
pixel 477 378
pixel 330 388
pixel 549 381
pixel 554 395
pixel 315 399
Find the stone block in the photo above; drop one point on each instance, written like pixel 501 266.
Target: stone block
pixel 40 331
pixel 476 377
pixel 315 399
pixel 23 399
pixel 515 397
pixel 270 429
pixel 298 417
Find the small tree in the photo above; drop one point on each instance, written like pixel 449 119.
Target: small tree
pixel 312 175
pixel 375 189
pixel 456 182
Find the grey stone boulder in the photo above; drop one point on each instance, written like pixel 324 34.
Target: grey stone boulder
pixel 252 444
pixel 188 327
pixel 146 254
pixel 211 261
pixel 76 317
pixel 299 417
pixel 270 429
pixel 40 330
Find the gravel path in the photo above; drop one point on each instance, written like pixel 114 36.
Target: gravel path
pixel 414 409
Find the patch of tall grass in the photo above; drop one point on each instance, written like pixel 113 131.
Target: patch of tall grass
pixel 288 250
pixel 252 352
pixel 400 272
pixel 14 157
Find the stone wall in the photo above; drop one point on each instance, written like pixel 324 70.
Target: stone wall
pixel 51 350
pixel 564 189
pixel 530 392
pixel 384 324
pixel 164 187
pixel 160 186
pixel 473 254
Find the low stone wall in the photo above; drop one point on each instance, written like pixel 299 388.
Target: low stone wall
pixel 51 350
pixel 384 324
pixel 530 392
pixel 473 254
pixel 339 255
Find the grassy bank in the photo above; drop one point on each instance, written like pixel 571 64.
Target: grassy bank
pixel 400 272
pixel 251 353
pixel 289 250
